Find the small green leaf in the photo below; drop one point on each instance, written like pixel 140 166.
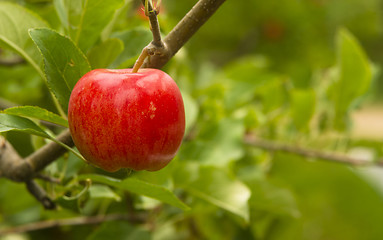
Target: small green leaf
pixel 85 20
pixel 64 63
pixel 16 123
pixel 21 124
pixel 272 199
pixel 140 187
pixel 219 188
pixel 302 106
pixel 192 111
pixel 102 191
pixel 217 145
pixel 102 55
pixel 242 78
pixel 355 75
pixel 37 113
pixel 14 24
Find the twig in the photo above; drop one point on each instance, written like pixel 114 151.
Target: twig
pixel 12 61
pixel 184 30
pixel 47 178
pixel 4 103
pixel 156 46
pixel 49 152
pixel 14 167
pixel 40 194
pixel 309 153
pixel 154 25
pixel 134 219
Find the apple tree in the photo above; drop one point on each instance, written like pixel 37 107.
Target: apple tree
pixel 248 130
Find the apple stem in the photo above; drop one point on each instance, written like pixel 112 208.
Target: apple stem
pixel 140 60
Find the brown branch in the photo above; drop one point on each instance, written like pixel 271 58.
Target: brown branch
pixel 49 152
pixel 40 194
pixel 4 103
pixel 8 158
pixel 309 153
pixel 14 167
pixel 12 61
pixel 154 25
pixel 184 30
pixel 134 219
pixel 155 47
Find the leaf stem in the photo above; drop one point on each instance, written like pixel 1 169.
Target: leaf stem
pixel 76 221
pixel 77 154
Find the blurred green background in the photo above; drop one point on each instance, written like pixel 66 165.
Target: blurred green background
pixel 298 72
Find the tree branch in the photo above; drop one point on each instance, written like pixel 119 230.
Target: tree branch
pixel 49 152
pixel 12 61
pixel 4 103
pixel 14 167
pixel 184 30
pixel 134 219
pixel 40 194
pixel 309 153
pixel 154 25
pixel 156 46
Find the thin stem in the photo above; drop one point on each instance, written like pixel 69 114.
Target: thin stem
pixel 88 183
pixel 4 103
pixel 134 219
pixel 77 154
pixel 12 62
pixel 156 45
pixel 140 60
pixel 154 25
pixel 305 152
pixel 40 194
pixel 49 152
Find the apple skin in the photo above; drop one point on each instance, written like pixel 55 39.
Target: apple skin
pixel 119 119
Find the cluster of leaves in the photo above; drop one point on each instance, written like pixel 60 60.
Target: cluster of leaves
pixel 217 187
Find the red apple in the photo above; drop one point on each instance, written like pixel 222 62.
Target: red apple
pixel 119 119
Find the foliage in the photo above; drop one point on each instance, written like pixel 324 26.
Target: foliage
pixel 289 71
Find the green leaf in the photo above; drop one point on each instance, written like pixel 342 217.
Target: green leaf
pixel 302 106
pixel 134 41
pixel 324 201
pixel 85 19
pixel 355 75
pixel 139 187
pixel 192 111
pixel 37 113
pixel 272 199
pixel 21 124
pixel 16 123
pixel 218 144
pixel 122 229
pixel 242 78
pixel 14 24
pixel 102 55
pixel 219 188
pixel 64 63
pixel 102 191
